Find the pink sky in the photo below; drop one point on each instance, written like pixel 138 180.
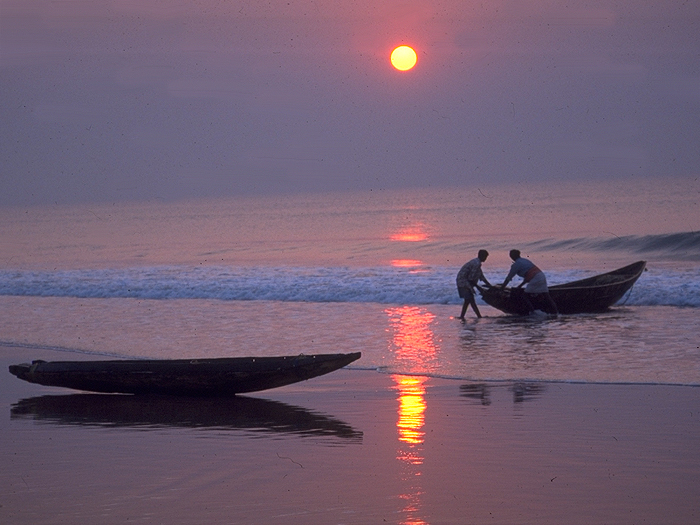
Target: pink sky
pixel 111 101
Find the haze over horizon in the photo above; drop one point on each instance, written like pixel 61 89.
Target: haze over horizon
pixel 118 101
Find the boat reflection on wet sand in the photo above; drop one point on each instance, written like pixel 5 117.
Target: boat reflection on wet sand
pixel 151 412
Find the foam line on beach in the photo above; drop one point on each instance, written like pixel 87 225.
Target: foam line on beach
pixel 67 350
pixel 516 380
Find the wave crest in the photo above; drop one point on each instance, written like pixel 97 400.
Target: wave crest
pixel 683 246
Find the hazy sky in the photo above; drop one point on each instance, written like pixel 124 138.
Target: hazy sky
pixel 163 99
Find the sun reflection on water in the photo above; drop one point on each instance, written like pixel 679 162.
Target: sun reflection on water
pixel 409 236
pixel 412 265
pixel 413 343
pixel 406 263
pixel 411 233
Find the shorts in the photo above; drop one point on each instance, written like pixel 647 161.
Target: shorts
pixel 465 292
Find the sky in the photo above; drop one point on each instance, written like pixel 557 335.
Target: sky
pixel 106 101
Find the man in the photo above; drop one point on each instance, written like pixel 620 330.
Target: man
pixel 468 277
pixel 535 280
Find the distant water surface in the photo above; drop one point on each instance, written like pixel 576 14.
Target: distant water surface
pixel 370 271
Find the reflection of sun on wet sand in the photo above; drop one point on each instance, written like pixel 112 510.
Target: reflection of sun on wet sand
pixel 413 344
pixel 411 409
pixel 411 419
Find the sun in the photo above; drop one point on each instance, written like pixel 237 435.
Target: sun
pixel 403 58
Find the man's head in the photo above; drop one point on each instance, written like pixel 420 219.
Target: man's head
pixel 483 254
pixel 515 254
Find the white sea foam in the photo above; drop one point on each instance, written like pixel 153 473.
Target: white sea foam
pixel 384 285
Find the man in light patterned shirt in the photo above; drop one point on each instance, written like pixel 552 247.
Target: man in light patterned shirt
pixel 468 277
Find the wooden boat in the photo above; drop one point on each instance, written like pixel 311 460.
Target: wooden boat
pixel 190 377
pixel 593 294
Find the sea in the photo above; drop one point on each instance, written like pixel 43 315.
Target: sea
pixel 370 271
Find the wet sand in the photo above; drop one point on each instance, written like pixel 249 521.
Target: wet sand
pixel 352 447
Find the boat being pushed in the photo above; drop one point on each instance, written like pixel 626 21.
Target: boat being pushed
pixel 590 295
pixel 187 377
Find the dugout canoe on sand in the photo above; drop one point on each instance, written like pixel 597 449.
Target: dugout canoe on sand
pixel 590 295
pixel 189 377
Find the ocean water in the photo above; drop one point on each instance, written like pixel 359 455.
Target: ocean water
pixel 372 271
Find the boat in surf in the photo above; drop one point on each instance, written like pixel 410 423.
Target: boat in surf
pixel 185 377
pixel 590 295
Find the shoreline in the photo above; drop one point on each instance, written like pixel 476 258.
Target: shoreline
pixel 353 446
pixel 49 353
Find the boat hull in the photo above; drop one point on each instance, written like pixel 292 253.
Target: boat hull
pixel 590 295
pixel 191 377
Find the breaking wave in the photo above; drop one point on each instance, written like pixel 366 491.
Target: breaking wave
pixel 386 285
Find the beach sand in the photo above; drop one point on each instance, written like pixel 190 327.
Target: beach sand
pixel 351 447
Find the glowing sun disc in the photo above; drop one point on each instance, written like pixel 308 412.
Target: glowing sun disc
pixel 403 58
